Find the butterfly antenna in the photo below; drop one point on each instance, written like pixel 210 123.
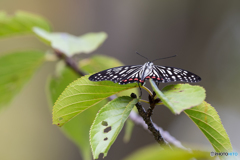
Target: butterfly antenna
pixel 164 58
pixel 142 56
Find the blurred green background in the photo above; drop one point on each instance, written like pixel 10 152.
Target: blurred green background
pixel 205 35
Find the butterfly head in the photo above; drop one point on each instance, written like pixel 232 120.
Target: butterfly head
pixel 149 65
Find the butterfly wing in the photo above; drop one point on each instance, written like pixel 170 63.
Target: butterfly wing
pixel 164 74
pixel 130 74
pixel 121 75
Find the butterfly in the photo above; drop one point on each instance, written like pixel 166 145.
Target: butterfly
pixel 140 73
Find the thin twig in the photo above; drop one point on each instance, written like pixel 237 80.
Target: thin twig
pixel 70 62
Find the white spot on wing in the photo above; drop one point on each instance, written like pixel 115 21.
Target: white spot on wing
pixel 169 72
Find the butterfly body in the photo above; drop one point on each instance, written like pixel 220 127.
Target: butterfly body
pixel 146 70
pixel 140 73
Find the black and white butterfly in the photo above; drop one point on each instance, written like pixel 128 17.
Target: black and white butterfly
pixel 140 73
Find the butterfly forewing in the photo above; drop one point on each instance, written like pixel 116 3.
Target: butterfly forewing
pixel 166 74
pixel 117 74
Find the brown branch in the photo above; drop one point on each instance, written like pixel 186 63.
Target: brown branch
pixel 152 103
pixel 72 64
pixel 147 118
pixel 69 62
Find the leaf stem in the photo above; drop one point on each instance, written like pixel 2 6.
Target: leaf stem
pixel 142 100
pixel 161 103
pixel 147 90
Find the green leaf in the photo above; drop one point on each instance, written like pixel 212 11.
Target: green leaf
pixel 15 70
pixel 70 44
pixel 180 97
pixel 20 23
pixel 154 152
pixel 81 95
pixel 108 124
pixel 78 128
pixel 98 63
pixel 208 121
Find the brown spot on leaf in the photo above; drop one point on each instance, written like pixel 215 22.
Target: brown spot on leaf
pixel 206 109
pixel 205 118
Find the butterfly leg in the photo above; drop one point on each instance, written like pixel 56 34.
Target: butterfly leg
pixel 140 90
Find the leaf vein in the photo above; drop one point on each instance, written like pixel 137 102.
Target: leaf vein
pixel 212 137
pixel 208 132
pixel 75 103
pixel 208 125
pixel 206 114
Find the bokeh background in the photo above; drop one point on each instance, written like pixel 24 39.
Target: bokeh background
pixel 205 35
